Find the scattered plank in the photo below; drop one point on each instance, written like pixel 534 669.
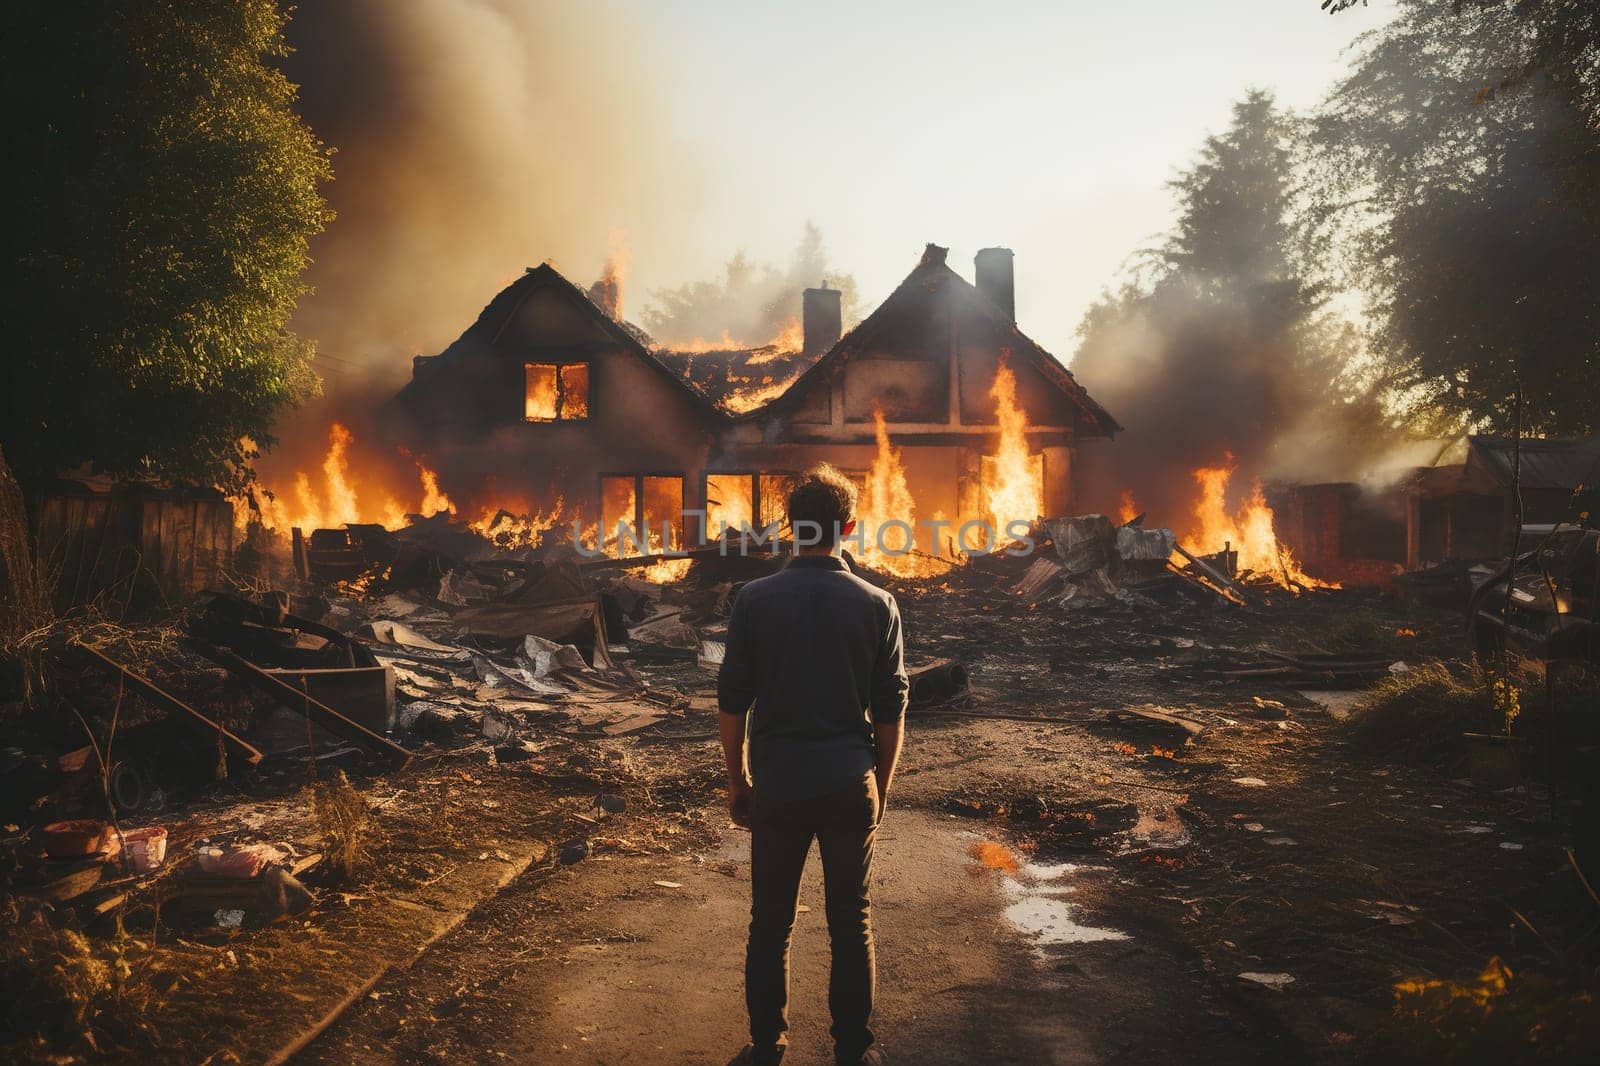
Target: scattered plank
pixel 143 686
pixel 271 685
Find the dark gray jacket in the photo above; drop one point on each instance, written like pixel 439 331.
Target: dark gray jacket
pixel 813 647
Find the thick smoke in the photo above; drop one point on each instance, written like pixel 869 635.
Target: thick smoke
pixel 472 138
pixel 1224 354
pixel 751 303
pixel 1195 379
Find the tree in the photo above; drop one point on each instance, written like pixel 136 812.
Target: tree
pixel 1219 347
pixel 164 192
pixel 1233 230
pixel 1461 162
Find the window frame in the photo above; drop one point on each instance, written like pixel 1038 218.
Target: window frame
pixel 638 500
pixel 755 496
pixel 528 363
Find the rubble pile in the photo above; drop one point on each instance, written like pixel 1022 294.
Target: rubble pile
pixel 436 648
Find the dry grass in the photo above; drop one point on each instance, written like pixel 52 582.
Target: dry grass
pixel 62 992
pixel 349 828
pixel 1423 712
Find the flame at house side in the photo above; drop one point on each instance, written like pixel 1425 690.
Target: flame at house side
pixel 885 499
pixel 1013 479
pixel 1250 531
pixel 1127 508
pixel 338 503
pixel 514 531
pixel 433 500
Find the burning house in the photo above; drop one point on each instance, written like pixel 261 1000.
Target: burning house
pixel 939 406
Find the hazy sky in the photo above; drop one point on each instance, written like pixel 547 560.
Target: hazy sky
pixel 1049 126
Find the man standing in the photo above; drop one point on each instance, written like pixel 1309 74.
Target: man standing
pixel 818 653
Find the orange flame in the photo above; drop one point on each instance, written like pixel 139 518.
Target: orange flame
pixel 433 500
pixel 749 399
pixel 1013 480
pixel 700 345
pixel 337 503
pixel 1249 532
pixel 1127 508
pixel 791 338
pixel 616 270
pixel 511 532
pixel 885 499
pixel 335 469
pixel 730 503
pixel 994 856
pixel 539 399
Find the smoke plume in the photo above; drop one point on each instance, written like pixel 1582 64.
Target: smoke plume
pixel 1202 381
pixel 751 303
pixel 472 138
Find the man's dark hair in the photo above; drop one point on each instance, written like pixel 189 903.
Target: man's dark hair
pixel 822 496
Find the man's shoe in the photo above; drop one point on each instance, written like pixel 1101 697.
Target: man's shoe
pixel 749 1056
pixel 873 1056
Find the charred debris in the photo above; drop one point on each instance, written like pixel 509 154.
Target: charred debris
pixel 386 649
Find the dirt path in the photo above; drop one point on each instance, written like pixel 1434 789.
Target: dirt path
pixel 976 964
pixel 1250 894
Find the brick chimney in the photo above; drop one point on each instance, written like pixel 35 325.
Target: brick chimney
pixel 821 320
pixel 992 274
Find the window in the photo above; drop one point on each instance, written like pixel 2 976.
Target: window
pixel 627 500
pixel 730 503
pixel 555 392
pixel 736 500
pixel 773 495
pixel 661 507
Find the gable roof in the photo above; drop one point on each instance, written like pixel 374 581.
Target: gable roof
pixel 1546 464
pixel 711 392
pixel 494 319
pixel 932 269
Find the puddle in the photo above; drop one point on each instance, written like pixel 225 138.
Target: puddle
pixel 1032 894
pixel 1050 872
pixel 1050 921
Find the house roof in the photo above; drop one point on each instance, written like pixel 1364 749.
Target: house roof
pixel 738 379
pixel 717 386
pixel 1546 464
pixel 932 269
pixel 497 315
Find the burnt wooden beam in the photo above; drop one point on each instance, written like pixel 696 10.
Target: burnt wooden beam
pixel 294 698
pixel 143 686
pixel 1201 581
pixel 607 562
pixel 1213 573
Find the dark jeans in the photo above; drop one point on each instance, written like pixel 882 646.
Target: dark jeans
pixel 844 824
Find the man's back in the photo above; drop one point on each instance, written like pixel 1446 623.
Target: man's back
pixel 810 651
pixel 813 647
